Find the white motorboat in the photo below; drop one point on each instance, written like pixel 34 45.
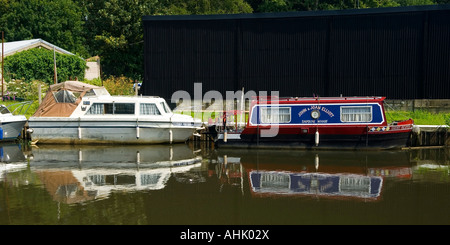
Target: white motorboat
pixel 11 125
pixel 73 112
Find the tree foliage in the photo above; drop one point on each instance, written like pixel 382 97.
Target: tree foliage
pixel 56 21
pixel 114 28
pixel 307 5
pixel 38 64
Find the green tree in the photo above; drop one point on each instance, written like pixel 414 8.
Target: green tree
pixel 306 5
pixel 56 21
pixel 415 2
pixel 114 28
pixel 114 32
pixel 174 7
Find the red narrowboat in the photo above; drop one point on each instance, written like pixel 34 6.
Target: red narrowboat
pixel 318 123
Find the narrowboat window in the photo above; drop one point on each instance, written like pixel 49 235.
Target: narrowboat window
pixel 149 109
pixel 275 180
pixel 356 113
pixel 275 114
pixel 111 108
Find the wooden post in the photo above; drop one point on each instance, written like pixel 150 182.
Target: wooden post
pixel 40 94
pixel 3 57
pixel 136 88
pixel 242 114
pixel 55 79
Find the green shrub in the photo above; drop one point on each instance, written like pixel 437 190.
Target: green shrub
pixel 38 64
pixel 119 85
pixel 115 85
pixel 18 89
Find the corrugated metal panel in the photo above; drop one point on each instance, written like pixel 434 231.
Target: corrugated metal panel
pixel 437 56
pixel 179 54
pixel 399 53
pixel 375 55
pixel 285 55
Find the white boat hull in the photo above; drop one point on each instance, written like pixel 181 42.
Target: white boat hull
pixel 11 128
pixel 119 131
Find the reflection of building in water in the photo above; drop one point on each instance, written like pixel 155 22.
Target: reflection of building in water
pixel 94 172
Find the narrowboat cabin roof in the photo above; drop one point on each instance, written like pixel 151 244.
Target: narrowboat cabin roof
pixel 307 100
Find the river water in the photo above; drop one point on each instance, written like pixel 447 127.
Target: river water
pixel 186 184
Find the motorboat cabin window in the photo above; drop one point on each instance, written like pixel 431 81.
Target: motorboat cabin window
pixel 275 114
pixel 64 96
pixel 111 108
pixel 165 107
pixel 356 113
pixel 149 109
pixel 4 110
pixel 123 108
pixel 97 92
pixel 90 93
pixel 150 179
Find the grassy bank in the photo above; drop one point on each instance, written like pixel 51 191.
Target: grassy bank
pixel 420 117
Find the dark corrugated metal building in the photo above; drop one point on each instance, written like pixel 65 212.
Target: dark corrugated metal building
pixel 401 53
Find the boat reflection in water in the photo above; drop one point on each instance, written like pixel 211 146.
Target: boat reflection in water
pixel 329 174
pixel 12 159
pixel 74 174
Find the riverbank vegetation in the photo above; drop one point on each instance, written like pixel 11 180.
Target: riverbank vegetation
pixel 420 117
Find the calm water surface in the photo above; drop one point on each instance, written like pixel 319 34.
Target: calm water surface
pixel 194 185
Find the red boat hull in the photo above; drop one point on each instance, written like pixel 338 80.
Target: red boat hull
pixel 338 137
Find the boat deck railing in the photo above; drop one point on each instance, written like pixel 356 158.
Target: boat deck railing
pixel 20 108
